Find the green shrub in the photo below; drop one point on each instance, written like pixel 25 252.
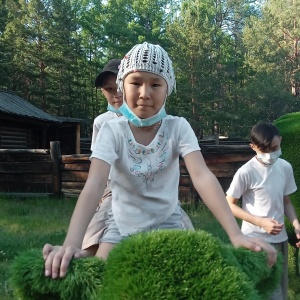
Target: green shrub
pixel 185 265
pixel 27 279
pixel 166 264
pixel 289 127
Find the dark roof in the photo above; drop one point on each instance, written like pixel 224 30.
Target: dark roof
pixel 71 120
pixel 12 104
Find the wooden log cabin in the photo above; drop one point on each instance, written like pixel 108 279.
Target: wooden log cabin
pixel 25 126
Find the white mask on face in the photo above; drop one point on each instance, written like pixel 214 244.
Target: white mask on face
pixel 268 158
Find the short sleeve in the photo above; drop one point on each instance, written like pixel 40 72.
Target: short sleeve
pixel 105 147
pixel 291 186
pixel 238 185
pixel 94 134
pixel 187 140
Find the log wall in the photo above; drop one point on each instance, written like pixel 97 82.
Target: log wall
pixel 12 138
pixel 26 171
pixel 46 171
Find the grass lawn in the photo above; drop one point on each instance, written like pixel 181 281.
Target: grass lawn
pixel 30 223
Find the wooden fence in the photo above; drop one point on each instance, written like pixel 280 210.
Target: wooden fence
pixel 46 171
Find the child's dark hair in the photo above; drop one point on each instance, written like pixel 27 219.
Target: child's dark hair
pixel 262 135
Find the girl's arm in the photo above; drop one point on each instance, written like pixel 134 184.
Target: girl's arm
pixel 58 258
pixel 210 191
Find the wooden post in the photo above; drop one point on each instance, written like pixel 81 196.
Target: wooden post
pixel 56 174
pixel 77 150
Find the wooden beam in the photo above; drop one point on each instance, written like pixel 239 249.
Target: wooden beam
pixel 56 160
pixel 77 134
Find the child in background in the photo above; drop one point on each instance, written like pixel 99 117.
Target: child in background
pixel 141 149
pixel 265 183
pixel 106 81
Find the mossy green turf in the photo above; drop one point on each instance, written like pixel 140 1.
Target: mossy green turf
pixel 29 282
pixel 166 264
pixel 289 127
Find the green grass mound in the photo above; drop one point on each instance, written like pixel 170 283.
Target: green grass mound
pixel 185 265
pixel 289 128
pixel 27 279
pixel 166 264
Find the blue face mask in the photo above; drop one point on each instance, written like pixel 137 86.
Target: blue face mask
pixel 136 121
pixel 112 109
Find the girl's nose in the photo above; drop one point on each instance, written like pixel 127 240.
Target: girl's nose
pixel 144 91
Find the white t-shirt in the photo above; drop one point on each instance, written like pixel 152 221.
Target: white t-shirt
pixel 145 178
pixel 262 188
pixel 98 122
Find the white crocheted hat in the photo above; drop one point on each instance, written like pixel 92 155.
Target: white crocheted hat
pixel 148 58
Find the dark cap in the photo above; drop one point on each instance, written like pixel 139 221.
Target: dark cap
pixel 111 67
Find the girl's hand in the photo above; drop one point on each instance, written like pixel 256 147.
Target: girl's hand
pixel 57 259
pixel 256 244
pixel 271 226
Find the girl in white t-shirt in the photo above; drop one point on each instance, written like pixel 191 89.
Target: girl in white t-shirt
pixel 106 81
pixel 141 150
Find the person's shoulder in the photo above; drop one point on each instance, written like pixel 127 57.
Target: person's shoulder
pixel 175 118
pixel 247 166
pixel 105 117
pixel 116 122
pixel 176 121
pixel 284 163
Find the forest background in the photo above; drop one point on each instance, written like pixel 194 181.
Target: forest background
pixel 236 61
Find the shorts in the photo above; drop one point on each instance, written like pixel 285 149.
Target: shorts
pixel 97 225
pixel 113 236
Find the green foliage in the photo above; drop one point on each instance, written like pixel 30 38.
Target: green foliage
pixel 210 66
pixel 185 265
pixel 227 75
pixel 289 127
pixel 166 264
pixel 271 41
pixel 83 280
pixel 293 268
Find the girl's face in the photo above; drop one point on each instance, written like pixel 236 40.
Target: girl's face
pixel 145 93
pixel 110 92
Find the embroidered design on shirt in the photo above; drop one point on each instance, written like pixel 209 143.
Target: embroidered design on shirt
pixel 147 162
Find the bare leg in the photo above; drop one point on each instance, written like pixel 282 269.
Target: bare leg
pixel 104 249
pixel 92 250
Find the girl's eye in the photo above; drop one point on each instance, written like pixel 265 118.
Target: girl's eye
pixel 156 85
